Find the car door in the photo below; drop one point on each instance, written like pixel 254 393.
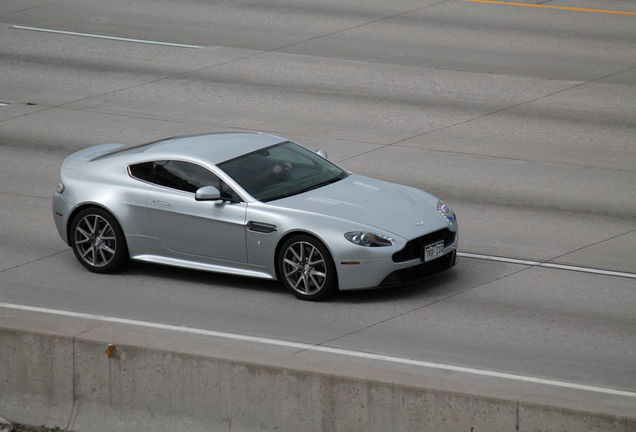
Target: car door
pixel 213 229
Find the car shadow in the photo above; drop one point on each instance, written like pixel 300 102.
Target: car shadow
pixel 183 275
pixel 440 284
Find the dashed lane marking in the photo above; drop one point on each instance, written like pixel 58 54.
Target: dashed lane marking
pixel 99 36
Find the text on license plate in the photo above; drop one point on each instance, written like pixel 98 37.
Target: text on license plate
pixel 433 251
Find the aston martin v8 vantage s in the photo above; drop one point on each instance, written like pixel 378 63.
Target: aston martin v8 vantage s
pixel 249 204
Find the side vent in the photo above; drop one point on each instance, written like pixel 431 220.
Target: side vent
pixel 261 227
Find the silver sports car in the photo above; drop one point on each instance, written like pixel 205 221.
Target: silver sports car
pixel 249 204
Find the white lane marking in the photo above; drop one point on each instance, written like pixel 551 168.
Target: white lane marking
pixel 320 348
pixel 98 36
pixel 548 265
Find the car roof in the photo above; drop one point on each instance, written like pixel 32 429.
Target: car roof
pixel 214 147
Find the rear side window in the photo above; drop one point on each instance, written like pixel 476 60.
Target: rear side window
pixel 183 176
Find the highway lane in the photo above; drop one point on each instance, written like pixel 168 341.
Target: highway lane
pixel 522 118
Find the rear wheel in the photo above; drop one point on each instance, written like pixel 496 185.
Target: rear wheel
pixel 98 241
pixel 307 269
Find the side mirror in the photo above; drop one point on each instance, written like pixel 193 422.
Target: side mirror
pixel 322 153
pixel 207 193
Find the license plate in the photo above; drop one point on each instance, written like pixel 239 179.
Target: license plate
pixel 433 251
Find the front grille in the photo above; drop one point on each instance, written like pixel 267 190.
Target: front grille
pixel 420 271
pixel 413 249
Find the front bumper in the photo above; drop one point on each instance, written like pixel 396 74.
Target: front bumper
pixel 420 271
pixel 402 267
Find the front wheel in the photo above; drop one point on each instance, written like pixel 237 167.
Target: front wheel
pixel 98 241
pixel 307 269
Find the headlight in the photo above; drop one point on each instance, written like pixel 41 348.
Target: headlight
pixel 60 188
pixel 446 211
pixel 369 239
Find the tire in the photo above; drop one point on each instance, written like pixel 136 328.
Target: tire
pixel 98 241
pixel 306 268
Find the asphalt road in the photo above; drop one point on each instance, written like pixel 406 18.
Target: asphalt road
pixel 521 117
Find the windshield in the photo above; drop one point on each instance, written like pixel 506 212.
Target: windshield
pixel 281 170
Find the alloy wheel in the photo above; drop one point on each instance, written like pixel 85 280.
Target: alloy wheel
pixel 95 240
pixel 304 268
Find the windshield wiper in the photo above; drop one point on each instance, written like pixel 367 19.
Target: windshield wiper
pixel 310 188
pixel 324 183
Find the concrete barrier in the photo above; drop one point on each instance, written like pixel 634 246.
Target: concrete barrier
pixel 56 371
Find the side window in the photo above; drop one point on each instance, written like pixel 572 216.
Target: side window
pixel 184 176
pixel 142 171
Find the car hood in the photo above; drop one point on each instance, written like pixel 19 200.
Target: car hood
pixel 400 210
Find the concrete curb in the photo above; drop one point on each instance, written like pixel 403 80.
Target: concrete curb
pixel 56 371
